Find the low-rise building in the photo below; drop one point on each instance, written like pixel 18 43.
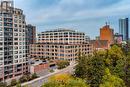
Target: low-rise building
pixel 39 67
pixel 118 38
pixel 59 51
pixel 100 44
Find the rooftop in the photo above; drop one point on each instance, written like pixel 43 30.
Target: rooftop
pixel 60 30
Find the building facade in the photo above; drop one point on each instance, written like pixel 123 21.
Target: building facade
pixel 106 33
pixel 63 36
pixel 124 28
pixel 13 56
pixel 59 51
pixel 31 33
pixel 100 44
pixel 39 67
pixel 60 44
pixel 118 38
pixel 30 36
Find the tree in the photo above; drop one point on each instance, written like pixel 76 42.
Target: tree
pixel 62 64
pixel 117 61
pixel 23 79
pixel 80 69
pixel 3 84
pixel 91 68
pixel 127 70
pixel 18 85
pixel 111 80
pixel 65 80
pixel 34 76
pixel 13 82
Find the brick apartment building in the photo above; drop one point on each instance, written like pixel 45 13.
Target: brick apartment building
pixel 60 44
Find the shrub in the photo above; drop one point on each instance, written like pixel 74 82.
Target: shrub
pixel 34 76
pixel 51 70
pixel 23 79
pixel 3 84
pixel 62 64
pixel 13 82
pixel 18 85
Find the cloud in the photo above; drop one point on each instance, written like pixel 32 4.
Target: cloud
pixel 68 10
pixel 74 13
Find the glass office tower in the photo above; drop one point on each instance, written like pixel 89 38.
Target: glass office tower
pixel 124 28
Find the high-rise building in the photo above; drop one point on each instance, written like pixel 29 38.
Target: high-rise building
pixel 31 33
pixel 106 33
pixel 124 28
pixel 13 56
pixel 30 36
pixel 61 44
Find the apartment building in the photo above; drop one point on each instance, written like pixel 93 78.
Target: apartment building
pixel 13 51
pixel 62 36
pixel 31 33
pixel 60 44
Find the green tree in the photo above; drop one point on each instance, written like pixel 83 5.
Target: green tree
pixel 111 80
pixel 23 79
pixel 117 61
pixel 80 69
pixel 3 84
pixel 13 82
pixel 65 80
pixel 127 70
pixel 91 68
pixel 18 84
pixel 34 76
pixel 62 64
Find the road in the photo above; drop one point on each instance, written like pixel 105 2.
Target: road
pixel 41 80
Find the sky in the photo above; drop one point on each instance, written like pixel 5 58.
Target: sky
pixel 82 15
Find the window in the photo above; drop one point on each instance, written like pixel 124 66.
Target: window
pixel 0 24
pixel 16 47
pixel 15 38
pixel 1 39
pixel 16 52
pixel 1 33
pixel 0 19
pixel 15 25
pixel 1 53
pixel 16 61
pixel 16 43
pixel 0 29
pixel 15 34
pixel 1 48
pixel 1 43
pixel 16 57
pixel 16 30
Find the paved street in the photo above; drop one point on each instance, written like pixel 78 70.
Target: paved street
pixel 39 81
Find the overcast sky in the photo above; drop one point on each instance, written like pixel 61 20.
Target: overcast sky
pixel 82 15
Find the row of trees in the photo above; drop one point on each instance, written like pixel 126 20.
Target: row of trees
pixel 109 68
pixel 23 79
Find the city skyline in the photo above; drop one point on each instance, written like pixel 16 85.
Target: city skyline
pixel 86 16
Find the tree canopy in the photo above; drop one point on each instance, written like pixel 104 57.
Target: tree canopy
pixel 65 80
